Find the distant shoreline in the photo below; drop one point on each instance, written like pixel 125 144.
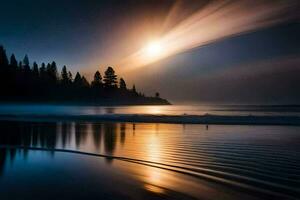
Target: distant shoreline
pixel 156 101
pixel 172 119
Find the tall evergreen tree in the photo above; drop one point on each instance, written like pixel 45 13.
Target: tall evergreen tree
pixel 70 76
pixel 20 65
pixel 35 69
pixel 43 70
pixel 43 75
pixel 48 72
pixel 122 84
pixel 85 83
pixel 3 57
pixel 26 66
pixel 13 61
pixel 26 61
pixel 48 68
pixel 52 72
pixel 78 80
pixel 65 76
pixel 133 88
pixel 97 82
pixel 110 78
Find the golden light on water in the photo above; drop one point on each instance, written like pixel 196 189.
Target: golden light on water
pixel 154 110
pixel 155 189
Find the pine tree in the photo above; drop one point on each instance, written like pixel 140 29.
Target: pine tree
pixel 48 68
pixel 110 78
pixel 70 76
pixel 26 61
pixel 20 65
pixel 78 80
pixel 64 76
pixel 85 83
pixel 133 89
pixel 43 71
pixel 35 69
pixel 3 57
pixel 52 72
pixel 42 78
pixel 13 61
pixel 26 66
pixel 97 82
pixel 122 84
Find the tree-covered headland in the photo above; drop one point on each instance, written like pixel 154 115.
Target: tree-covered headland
pixel 22 82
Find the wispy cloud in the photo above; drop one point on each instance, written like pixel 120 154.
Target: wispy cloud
pixel 214 21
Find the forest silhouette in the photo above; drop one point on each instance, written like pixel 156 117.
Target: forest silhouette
pixel 21 82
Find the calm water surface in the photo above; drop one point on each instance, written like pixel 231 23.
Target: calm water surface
pixel 148 161
pixel 157 110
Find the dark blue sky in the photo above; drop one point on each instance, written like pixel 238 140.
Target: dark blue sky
pixel 88 35
pixel 70 32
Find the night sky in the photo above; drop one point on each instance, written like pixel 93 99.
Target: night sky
pixel 261 65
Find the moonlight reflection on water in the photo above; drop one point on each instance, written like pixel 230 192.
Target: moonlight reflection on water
pixel 162 159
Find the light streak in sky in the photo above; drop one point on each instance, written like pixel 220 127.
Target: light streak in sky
pixel 216 20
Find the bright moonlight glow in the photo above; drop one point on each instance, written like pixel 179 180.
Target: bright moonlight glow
pixel 153 49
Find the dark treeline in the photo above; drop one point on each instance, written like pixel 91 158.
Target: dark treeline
pixel 22 82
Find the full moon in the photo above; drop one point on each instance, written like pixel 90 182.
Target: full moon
pixel 153 49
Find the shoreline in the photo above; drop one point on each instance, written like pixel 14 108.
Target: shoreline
pixel 171 119
pixel 164 102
